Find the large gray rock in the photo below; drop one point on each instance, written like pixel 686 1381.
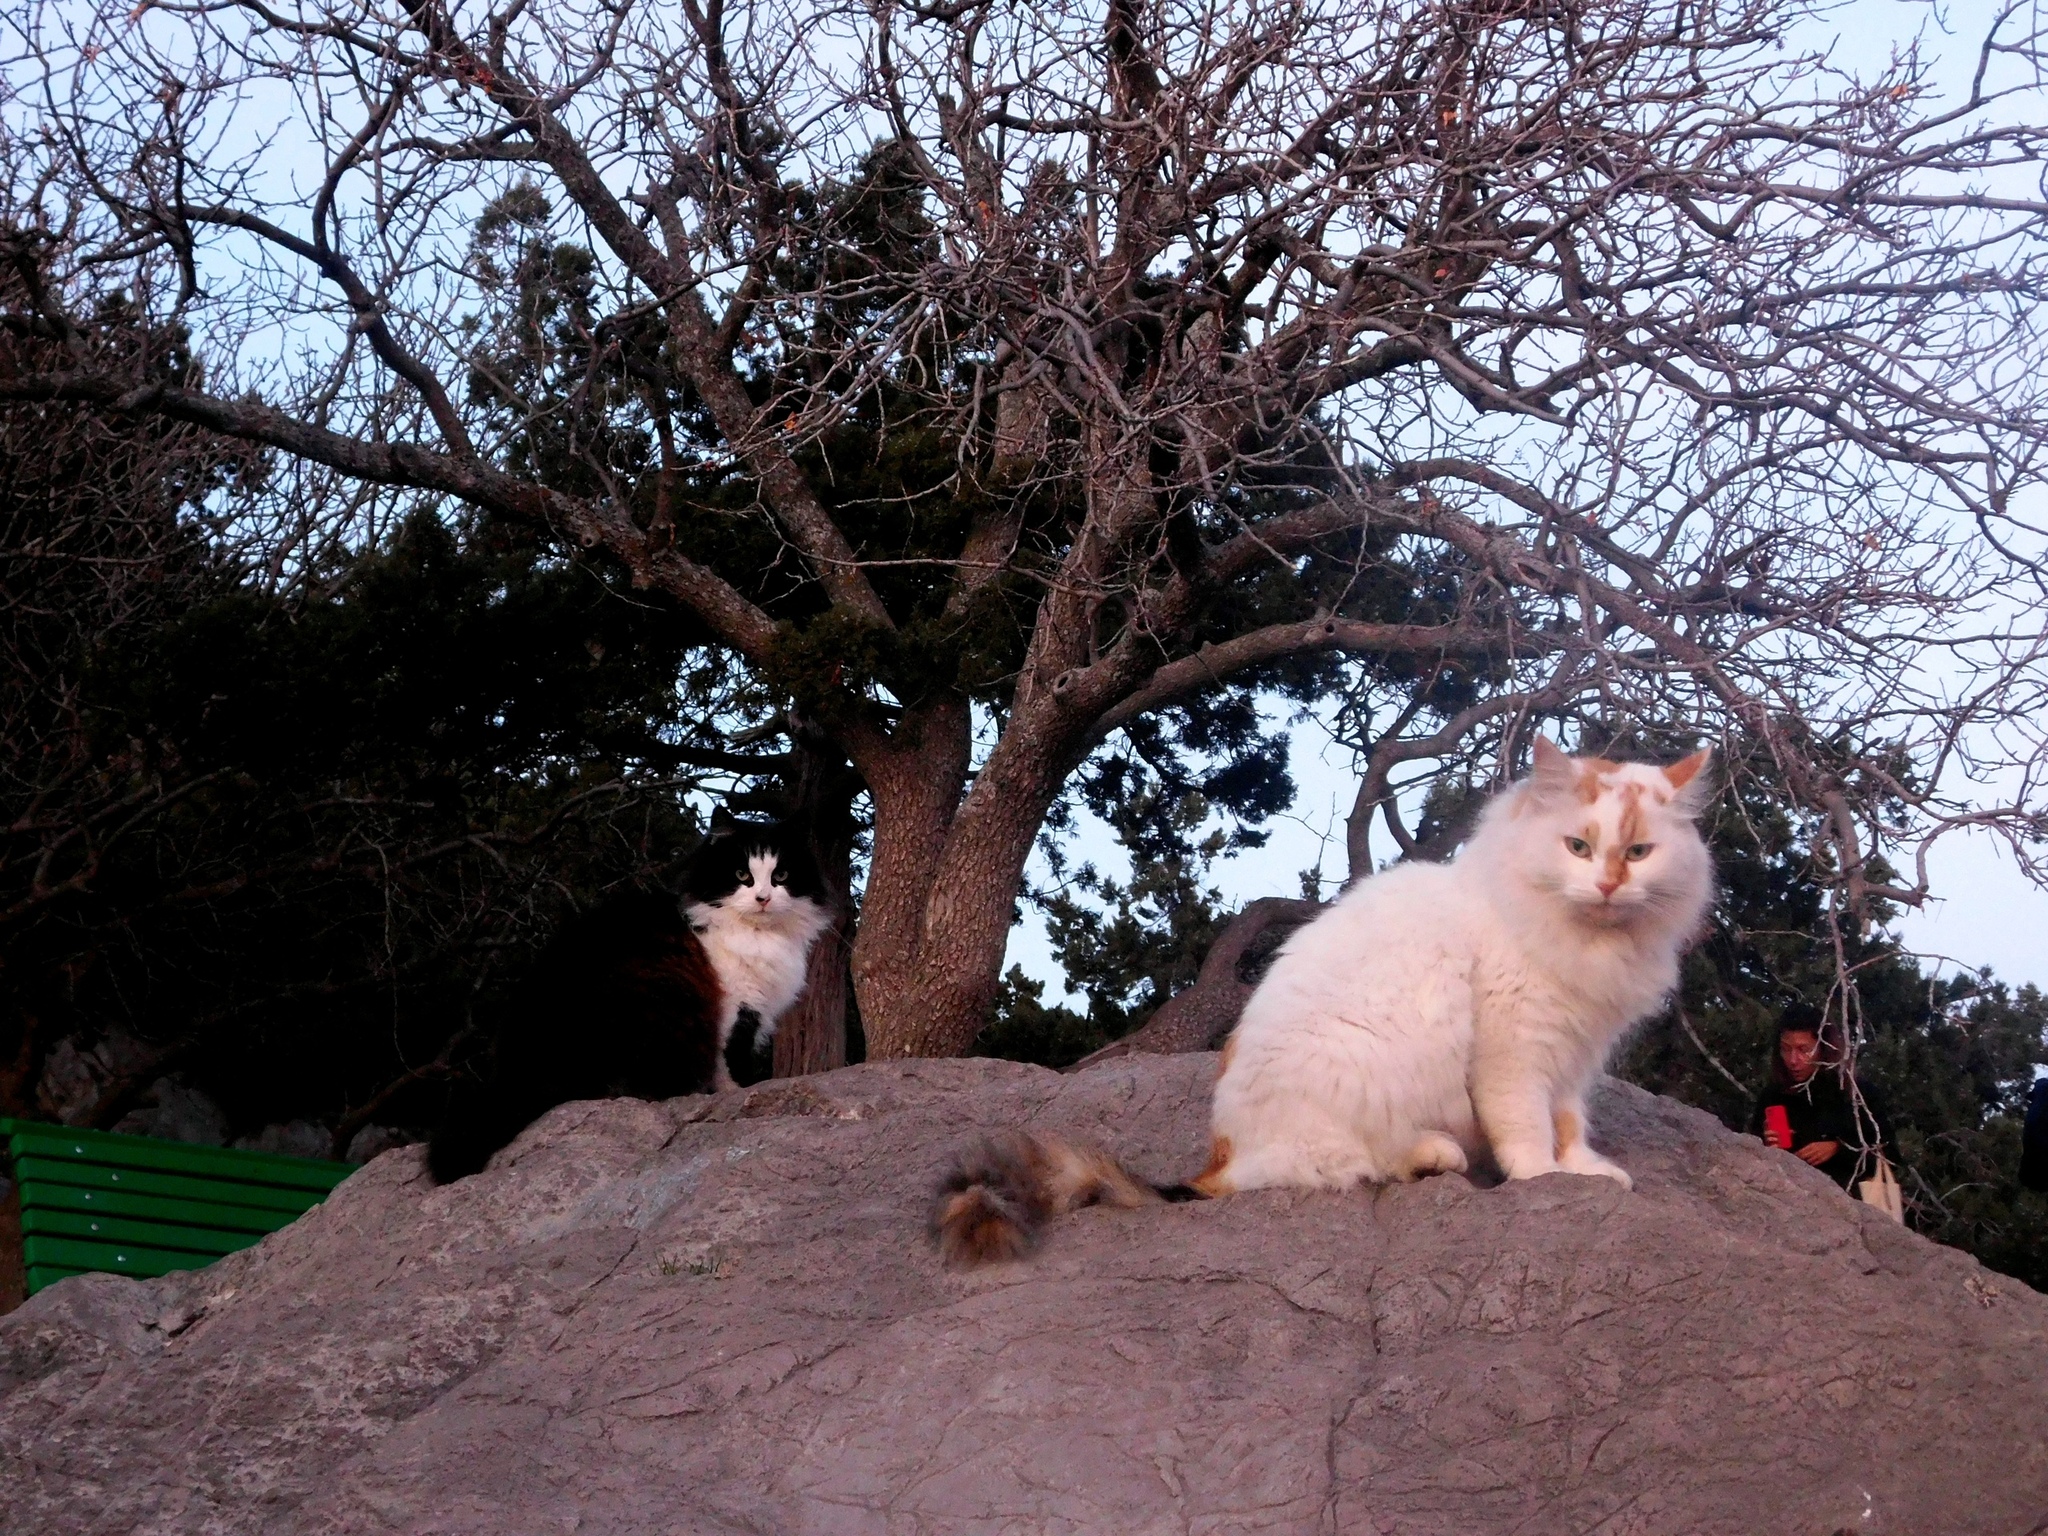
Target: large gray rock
pixel 721 1315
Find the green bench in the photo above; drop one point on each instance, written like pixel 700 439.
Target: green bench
pixel 133 1205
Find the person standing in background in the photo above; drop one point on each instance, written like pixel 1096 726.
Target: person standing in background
pixel 1810 1113
pixel 2034 1140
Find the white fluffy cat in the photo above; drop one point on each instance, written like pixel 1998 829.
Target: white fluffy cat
pixel 1433 1016
pixel 1437 1011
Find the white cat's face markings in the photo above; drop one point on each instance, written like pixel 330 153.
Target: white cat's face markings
pixel 1611 845
pixel 1613 839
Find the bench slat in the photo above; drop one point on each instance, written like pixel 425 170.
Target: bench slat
pixel 109 1149
pixel 177 1186
pixel 134 1205
pixel 110 1258
pixel 176 1209
pixel 148 1234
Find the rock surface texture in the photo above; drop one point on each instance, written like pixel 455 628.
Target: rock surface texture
pixel 721 1315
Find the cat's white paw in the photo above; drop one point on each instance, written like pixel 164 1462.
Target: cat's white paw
pixel 1583 1159
pixel 1434 1152
pixel 1526 1165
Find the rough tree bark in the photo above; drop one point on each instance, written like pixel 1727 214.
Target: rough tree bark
pixel 812 1038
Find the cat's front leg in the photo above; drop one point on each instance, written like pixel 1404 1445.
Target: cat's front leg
pixel 1573 1155
pixel 1514 1111
pixel 746 1058
pixel 721 1058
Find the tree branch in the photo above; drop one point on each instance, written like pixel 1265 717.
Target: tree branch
pixel 730 615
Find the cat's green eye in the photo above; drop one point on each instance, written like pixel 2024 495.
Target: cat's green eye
pixel 1639 851
pixel 779 878
pixel 745 877
pixel 1580 848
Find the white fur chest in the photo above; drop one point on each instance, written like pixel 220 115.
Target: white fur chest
pixel 1602 979
pixel 760 965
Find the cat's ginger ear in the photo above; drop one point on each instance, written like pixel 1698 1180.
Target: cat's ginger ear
pixel 1684 776
pixel 1554 767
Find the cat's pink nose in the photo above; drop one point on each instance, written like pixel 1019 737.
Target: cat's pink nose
pixel 1608 887
pixel 763 898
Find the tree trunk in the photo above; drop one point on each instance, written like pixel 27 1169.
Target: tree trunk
pixel 21 1063
pixel 13 1267
pixel 927 982
pixel 915 779
pixel 812 1035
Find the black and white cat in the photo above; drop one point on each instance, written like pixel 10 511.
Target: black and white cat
pixel 651 996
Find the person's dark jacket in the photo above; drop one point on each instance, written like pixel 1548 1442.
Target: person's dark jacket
pixel 1819 1110
pixel 2034 1142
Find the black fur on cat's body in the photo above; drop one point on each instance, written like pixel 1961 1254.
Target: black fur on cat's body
pixel 628 998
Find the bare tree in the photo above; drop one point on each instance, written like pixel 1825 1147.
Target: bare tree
pixel 1562 359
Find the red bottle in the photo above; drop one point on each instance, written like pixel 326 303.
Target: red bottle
pixel 1777 1127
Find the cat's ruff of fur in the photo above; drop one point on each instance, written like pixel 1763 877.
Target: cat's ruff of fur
pixel 1436 1015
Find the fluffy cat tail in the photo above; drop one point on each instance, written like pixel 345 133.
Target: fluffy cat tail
pixel 997 1198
